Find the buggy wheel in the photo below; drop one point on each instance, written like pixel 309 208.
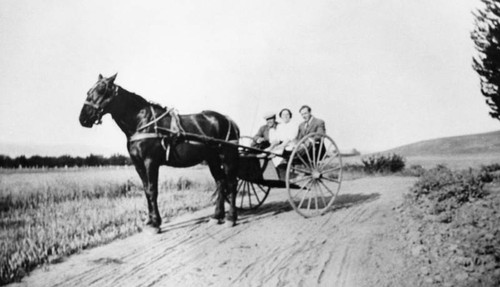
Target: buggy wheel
pixel 250 195
pixel 314 175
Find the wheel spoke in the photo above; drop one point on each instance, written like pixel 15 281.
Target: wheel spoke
pixel 302 200
pixel 242 193
pixel 332 169
pixel 303 160
pixel 322 145
pixel 303 190
pixel 327 188
pixel 239 188
pixel 331 180
pixel 330 159
pixel 297 180
pixel 314 163
pixel 261 188
pixel 253 188
pixel 249 195
pixel 301 170
pixel 304 186
pixel 322 194
pixel 308 156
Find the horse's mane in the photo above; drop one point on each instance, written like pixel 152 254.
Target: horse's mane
pixel 140 101
pixel 156 105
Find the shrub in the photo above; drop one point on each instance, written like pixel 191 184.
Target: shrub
pixel 491 172
pixel 414 170
pixel 353 171
pixel 491 168
pixel 441 183
pixel 469 241
pixel 353 168
pixel 383 163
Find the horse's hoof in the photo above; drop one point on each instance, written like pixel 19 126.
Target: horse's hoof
pixel 213 221
pixel 152 230
pixel 229 223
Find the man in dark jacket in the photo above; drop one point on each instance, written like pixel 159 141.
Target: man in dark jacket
pixel 261 139
pixel 310 123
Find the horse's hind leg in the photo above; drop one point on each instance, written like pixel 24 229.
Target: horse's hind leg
pixel 218 174
pixel 230 167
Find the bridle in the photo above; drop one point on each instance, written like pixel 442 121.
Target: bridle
pixel 100 108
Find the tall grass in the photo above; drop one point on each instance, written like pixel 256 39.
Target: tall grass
pixel 45 216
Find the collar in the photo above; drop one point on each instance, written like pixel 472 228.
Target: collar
pixel 309 121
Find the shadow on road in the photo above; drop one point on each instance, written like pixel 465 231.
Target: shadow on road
pixel 274 208
pixel 349 200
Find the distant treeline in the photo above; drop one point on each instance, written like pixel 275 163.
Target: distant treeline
pixel 62 161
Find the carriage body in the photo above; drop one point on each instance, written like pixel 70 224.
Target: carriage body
pixel 312 175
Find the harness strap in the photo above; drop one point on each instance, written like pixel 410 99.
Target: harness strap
pixel 229 130
pixel 141 136
pixel 175 123
pixel 155 122
pixel 156 119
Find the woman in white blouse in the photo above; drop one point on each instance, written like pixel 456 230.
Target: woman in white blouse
pixel 283 135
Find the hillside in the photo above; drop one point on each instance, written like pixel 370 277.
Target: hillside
pixel 483 143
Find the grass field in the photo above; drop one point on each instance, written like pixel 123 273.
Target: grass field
pixel 46 215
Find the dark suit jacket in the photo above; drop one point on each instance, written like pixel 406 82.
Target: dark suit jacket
pixel 262 133
pixel 315 126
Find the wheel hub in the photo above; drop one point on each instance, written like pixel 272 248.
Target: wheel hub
pixel 316 174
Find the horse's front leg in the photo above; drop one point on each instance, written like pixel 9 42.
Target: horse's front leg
pixel 141 170
pixel 151 190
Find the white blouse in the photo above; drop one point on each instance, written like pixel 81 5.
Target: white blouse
pixel 287 132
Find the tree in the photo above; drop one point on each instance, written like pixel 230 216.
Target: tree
pixel 486 37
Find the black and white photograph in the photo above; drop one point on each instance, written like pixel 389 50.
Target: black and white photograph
pixel 250 143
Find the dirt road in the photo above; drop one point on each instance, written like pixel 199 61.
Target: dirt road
pixel 356 244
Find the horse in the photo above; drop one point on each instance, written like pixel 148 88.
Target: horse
pixel 158 136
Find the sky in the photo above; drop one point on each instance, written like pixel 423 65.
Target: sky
pixel 381 73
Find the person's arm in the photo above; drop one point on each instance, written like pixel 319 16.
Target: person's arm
pixel 297 138
pixel 274 136
pixel 260 134
pixel 321 127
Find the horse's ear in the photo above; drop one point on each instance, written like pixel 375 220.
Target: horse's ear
pixel 100 77
pixel 112 78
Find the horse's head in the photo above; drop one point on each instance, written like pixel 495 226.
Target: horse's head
pixel 98 99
